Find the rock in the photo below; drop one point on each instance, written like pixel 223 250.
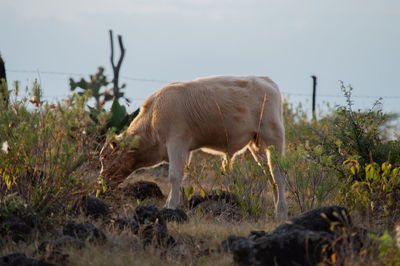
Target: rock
pixel 92 206
pixel 176 215
pixel 148 213
pixel 217 209
pixel 14 227
pixel 19 259
pixel 256 234
pixel 127 223
pixel 227 243
pixel 325 219
pixel 84 231
pixel 143 190
pixel 297 247
pixel 157 235
pixel 304 240
pixel 220 196
pixel 53 250
pixel 152 227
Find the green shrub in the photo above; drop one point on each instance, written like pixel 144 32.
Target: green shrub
pixel 352 144
pixel 377 190
pixel 310 179
pixel 42 145
pixel 389 253
pixel 250 184
pixel 345 133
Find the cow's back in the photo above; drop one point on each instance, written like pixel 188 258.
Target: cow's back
pixel 221 112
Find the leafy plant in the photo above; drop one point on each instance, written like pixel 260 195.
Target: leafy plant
pixel 389 253
pixel 378 189
pixel 310 179
pixel 97 85
pixel 249 183
pixel 45 144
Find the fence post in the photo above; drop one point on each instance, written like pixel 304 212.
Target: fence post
pixel 313 96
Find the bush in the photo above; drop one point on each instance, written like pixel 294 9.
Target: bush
pixel 352 144
pixel 310 179
pixel 378 190
pixel 42 145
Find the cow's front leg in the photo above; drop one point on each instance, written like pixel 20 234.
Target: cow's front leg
pixel 178 157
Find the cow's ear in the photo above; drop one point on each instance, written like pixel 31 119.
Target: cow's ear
pixel 113 145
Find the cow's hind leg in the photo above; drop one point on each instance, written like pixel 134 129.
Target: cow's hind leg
pixel 178 156
pixel 260 152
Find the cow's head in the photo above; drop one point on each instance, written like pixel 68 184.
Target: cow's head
pixel 118 158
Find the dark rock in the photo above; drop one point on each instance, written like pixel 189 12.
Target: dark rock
pixel 84 231
pixel 143 190
pixel 217 209
pixel 176 215
pixel 157 235
pixel 196 200
pixel 304 240
pixel 325 219
pixel 14 227
pixel 53 250
pixel 148 213
pixel 227 243
pixel 220 196
pixel 152 227
pixel 297 247
pixel 19 259
pixel 60 243
pixel 127 223
pixel 225 196
pixel 254 235
pixel 92 206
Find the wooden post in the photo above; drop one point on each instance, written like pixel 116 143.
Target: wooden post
pixel 313 96
pixel 116 68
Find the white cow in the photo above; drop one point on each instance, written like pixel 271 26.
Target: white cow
pixel 221 114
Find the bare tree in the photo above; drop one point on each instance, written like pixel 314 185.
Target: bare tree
pixel 116 89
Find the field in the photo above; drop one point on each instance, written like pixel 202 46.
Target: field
pixel 50 159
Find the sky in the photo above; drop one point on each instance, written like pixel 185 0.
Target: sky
pixel 354 41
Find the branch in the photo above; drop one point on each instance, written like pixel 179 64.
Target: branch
pixel 116 68
pixel 112 49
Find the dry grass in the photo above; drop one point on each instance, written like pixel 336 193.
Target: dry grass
pixel 193 238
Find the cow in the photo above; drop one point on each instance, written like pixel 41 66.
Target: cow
pixel 220 114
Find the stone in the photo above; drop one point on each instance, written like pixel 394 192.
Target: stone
pixel 148 213
pixel 176 215
pixel 14 227
pixel 19 259
pixel 217 209
pixel 143 190
pixel 84 231
pixel 127 223
pixel 220 196
pixel 152 227
pixel 92 206
pixel 308 239
pixel 157 235
pixel 53 250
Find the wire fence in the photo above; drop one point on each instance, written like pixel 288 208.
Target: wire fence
pixel 154 80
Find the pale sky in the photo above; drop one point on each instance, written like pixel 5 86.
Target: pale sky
pixel 357 41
